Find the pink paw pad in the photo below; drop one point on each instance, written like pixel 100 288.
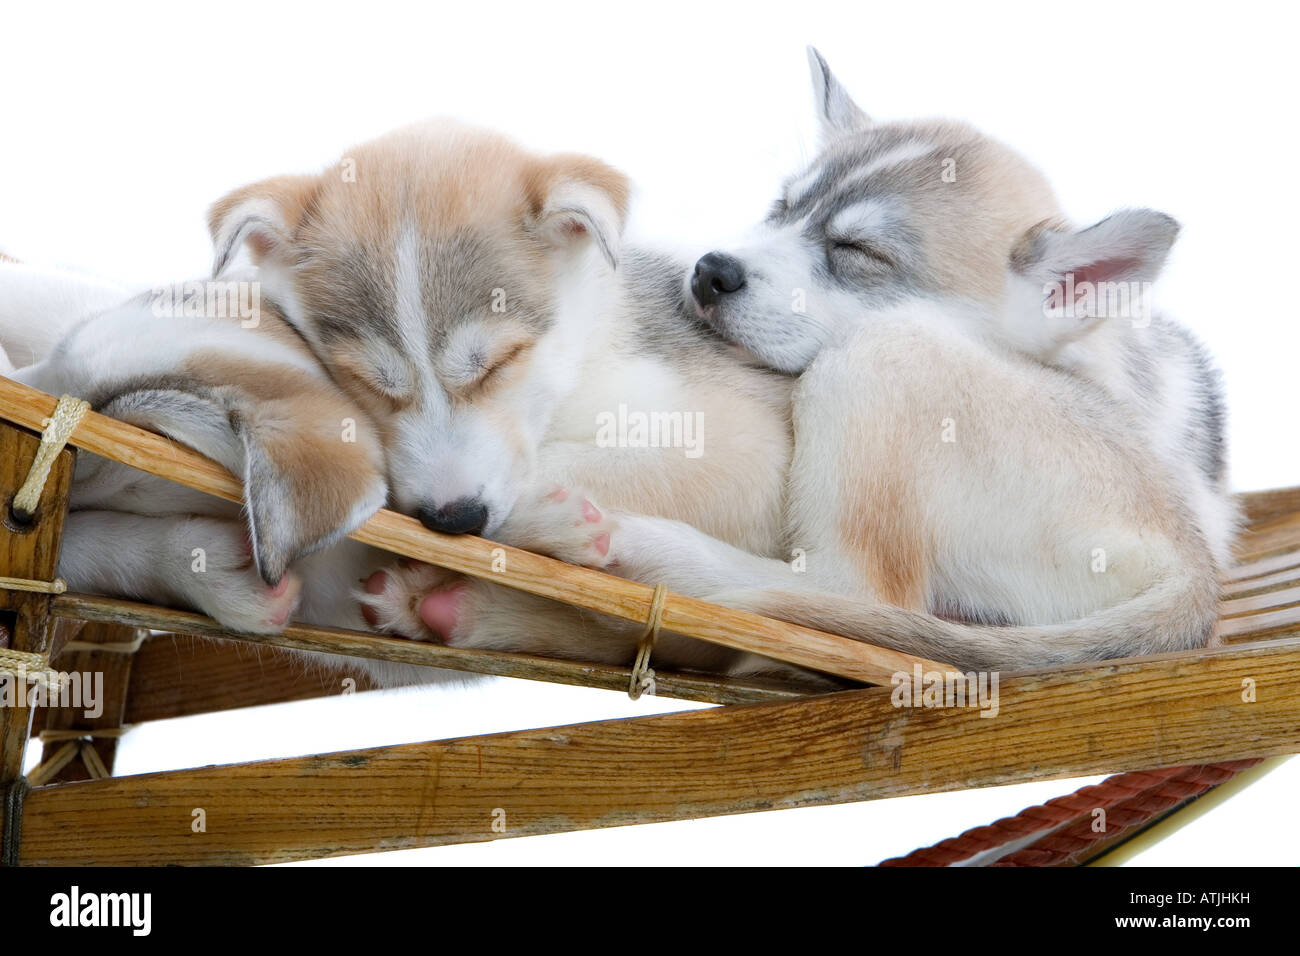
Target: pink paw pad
pixel 440 611
pixel 590 513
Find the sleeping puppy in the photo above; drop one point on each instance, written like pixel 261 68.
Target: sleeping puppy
pixel 216 368
pixel 437 323
pixel 1001 459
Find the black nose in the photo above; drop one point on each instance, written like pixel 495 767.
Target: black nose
pixel 462 516
pixel 716 275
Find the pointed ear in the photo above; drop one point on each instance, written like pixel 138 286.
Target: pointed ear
pixel 264 215
pixel 575 200
pixel 1076 268
pixel 836 111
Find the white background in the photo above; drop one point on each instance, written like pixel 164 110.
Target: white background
pixel 122 122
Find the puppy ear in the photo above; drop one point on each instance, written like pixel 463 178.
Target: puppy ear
pixel 306 486
pixel 1078 269
pixel 836 111
pixel 575 200
pixel 311 464
pixel 264 215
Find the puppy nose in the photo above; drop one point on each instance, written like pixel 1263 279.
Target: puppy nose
pixel 716 275
pixel 462 516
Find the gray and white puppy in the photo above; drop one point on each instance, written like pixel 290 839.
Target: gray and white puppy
pixel 1001 458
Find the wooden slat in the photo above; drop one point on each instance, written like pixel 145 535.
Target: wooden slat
pixel 1269 538
pixel 1264 601
pixel 1257 626
pixel 477 557
pixel 376 647
pixel 175 675
pixel 854 745
pixel 1262 507
pixel 1278 580
pixel 1254 569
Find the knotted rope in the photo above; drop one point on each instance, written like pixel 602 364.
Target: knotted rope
pixel 107 647
pixel 58 428
pixel 79 743
pixel 643 675
pixel 29 665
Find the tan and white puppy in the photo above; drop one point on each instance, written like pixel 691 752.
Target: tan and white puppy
pixel 993 466
pixel 465 307
pixel 211 366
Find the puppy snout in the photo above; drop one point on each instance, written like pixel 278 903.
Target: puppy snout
pixel 716 274
pixel 462 516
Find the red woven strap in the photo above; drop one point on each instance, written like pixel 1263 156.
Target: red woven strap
pixel 1129 799
pixel 1066 845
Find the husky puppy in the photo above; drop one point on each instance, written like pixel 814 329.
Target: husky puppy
pixel 445 322
pixel 241 387
pixel 997 462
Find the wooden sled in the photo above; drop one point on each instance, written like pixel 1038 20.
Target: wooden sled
pixel 772 746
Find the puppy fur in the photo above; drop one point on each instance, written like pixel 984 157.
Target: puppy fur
pixel 978 475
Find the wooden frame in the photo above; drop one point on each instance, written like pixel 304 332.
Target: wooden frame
pixel 771 747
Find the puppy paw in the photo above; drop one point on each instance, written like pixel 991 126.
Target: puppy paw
pixel 262 609
pixel 216 574
pixel 563 523
pixel 415 600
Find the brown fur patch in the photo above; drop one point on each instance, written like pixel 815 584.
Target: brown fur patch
pixel 299 422
pixel 554 170
pixel 881 529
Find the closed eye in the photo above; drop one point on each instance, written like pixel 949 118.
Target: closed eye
pixel 865 249
pixel 381 379
pixel 487 370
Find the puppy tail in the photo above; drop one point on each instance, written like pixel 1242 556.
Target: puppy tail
pixel 1172 614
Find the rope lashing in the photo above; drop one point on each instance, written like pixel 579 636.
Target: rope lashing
pixel 58 428
pixel 27 584
pixel 643 675
pixel 107 647
pixel 78 743
pixel 77 733
pixel 29 665
pixel 14 795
